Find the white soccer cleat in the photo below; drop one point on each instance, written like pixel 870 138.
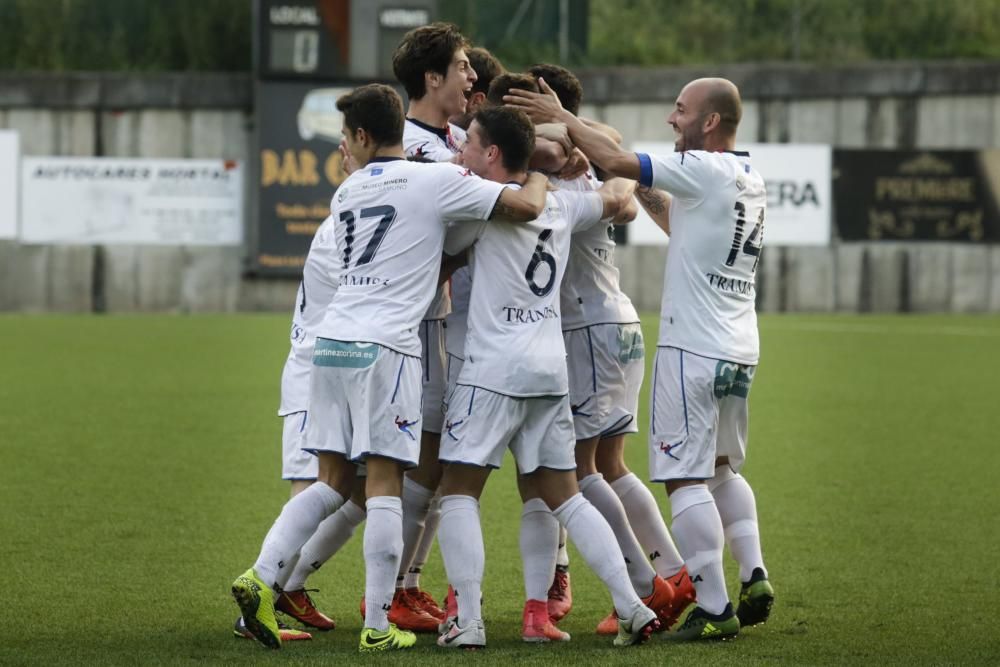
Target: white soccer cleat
pixel 638 627
pixel 472 636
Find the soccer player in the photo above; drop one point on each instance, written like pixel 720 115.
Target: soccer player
pixel 432 64
pixel 605 351
pixel 365 381
pixel 487 67
pixel 512 391
pixel 708 349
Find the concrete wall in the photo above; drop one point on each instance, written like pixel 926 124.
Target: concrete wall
pixel 899 105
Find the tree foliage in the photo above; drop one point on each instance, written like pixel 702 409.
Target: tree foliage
pixel 217 34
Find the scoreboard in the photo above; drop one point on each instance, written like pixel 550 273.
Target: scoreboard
pixel 307 53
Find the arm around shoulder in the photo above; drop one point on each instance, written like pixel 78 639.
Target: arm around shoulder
pixel 522 205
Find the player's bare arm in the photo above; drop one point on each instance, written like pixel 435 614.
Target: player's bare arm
pixel 599 147
pixel 611 132
pixel 450 264
pixel 657 205
pixel 549 156
pixel 522 205
pixel 615 195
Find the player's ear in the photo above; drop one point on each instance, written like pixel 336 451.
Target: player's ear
pixel 432 79
pixel 712 121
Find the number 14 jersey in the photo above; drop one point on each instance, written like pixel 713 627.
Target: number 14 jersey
pixel 716 233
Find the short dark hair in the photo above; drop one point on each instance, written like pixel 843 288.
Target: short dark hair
pixel 563 82
pixel 487 68
pixel 429 48
pixel 727 104
pixel 511 131
pixel 377 109
pixel 507 81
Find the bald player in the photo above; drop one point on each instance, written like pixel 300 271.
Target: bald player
pixel 708 348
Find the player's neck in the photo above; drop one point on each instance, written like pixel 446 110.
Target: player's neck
pixel 388 151
pixel 501 175
pixel 426 111
pixel 716 144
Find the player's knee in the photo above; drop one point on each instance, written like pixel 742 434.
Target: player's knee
pixel 723 473
pixel 675 484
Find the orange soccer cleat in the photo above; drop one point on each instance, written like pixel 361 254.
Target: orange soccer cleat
pixel 684 595
pixel 300 606
pixel 560 600
pixel 406 614
pixel 661 600
pixel 537 627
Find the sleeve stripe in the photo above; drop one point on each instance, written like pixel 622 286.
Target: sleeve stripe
pixel 645 170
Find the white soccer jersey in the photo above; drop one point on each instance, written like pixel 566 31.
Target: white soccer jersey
pixel 457 322
pixel 320 276
pixel 515 345
pixel 590 291
pixel 438 145
pixel 716 233
pixel 390 227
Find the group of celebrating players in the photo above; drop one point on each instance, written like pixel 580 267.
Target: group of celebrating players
pixel 462 300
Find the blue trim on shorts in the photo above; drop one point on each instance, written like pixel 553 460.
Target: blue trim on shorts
pixel 687 431
pixel 305 418
pixel 471 399
pixel 652 417
pixel 299 479
pixel 593 366
pixel 398 376
pixel 470 463
pixel 615 428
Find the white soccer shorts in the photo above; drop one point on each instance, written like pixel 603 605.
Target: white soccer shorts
pixel 364 401
pixel 698 412
pixel 606 363
pixel 432 363
pixel 481 424
pixel 296 463
pixel 453 368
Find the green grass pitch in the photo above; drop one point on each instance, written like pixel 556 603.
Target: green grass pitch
pixel 139 461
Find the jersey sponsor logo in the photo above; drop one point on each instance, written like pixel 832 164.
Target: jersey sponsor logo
pixel 730 285
pixel 449 425
pixel 515 315
pixel 363 281
pixel 404 426
pixel 630 344
pixel 669 449
pixel 342 193
pixel 377 171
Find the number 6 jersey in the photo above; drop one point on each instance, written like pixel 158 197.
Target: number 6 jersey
pixel 390 222
pixel 716 233
pixel 514 344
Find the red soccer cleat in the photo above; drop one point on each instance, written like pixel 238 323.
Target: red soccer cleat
pixel 300 606
pixel 684 595
pixel 560 600
pixel 286 633
pixel 537 627
pixel 424 601
pixel 406 614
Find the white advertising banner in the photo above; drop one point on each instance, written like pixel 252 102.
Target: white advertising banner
pixel 9 154
pixel 131 201
pixel 798 178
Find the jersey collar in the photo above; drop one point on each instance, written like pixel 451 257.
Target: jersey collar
pixel 384 158
pixel 440 131
pixel 739 153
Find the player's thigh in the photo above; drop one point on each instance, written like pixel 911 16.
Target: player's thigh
pixel 478 427
pixel 734 380
pixel 684 415
pixel 433 374
pixel 546 438
pixel 297 464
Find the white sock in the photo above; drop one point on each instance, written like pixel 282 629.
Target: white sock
pixel 297 522
pixel 562 555
pixel 600 494
pixel 416 502
pixel 647 523
pixel 420 556
pixel 539 543
pixel 738 510
pixel 331 535
pixel 461 537
pixel 596 542
pixel 698 530
pixel 383 545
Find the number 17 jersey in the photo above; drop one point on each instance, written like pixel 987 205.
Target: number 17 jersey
pixel 390 222
pixel 716 233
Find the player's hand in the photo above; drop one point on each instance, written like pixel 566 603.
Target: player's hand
pixel 557 132
pixel 347 162
pixel 576 166
pixel 541 107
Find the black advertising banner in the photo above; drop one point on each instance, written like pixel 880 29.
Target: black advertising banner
pixel 299 170
pixel 917 195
